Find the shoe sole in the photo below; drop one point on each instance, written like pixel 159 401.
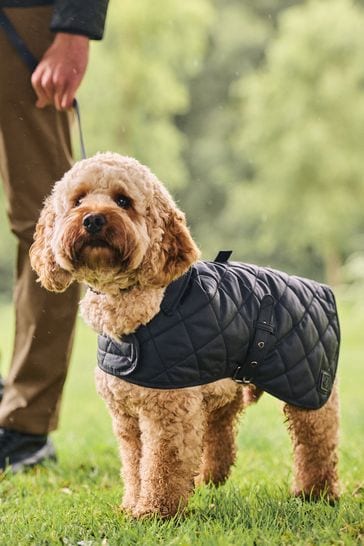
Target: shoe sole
pixel 44 454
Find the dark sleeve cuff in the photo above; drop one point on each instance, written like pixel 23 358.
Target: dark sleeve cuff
pixel 85 17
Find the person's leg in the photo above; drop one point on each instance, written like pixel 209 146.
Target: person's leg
pixel 35 151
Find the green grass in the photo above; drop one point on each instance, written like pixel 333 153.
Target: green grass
pixel 76 501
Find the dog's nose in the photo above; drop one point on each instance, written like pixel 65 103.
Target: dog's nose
pixel 93 222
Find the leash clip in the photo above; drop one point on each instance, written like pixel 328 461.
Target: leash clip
pixel 240 380
pixel 76 108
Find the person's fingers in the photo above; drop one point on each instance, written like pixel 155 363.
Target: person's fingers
pixel 56 85
pixel 41 85
pixel 69 94
pixel 57 101
pixel 36 83
pixel 42 102
pixel 59 89
pixel 47 85
pixel 60 84
pixel 67 101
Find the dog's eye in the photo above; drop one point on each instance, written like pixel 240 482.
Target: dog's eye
pixel 77 202
pixel 123 201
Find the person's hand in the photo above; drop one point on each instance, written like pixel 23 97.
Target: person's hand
pixel 60 71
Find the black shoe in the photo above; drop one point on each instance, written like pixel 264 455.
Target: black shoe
pixel 20 451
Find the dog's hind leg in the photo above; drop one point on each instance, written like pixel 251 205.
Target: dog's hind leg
pixel 219 445
pixel 314 435
pixel 172 427
pixel 127 432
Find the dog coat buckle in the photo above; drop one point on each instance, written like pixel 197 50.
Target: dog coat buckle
pixel 243 380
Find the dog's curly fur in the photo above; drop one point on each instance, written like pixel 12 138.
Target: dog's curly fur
pixel 169 439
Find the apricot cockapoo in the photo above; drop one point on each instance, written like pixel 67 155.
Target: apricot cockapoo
pixel 111 224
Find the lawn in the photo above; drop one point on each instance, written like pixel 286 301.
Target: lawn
pixel 76 501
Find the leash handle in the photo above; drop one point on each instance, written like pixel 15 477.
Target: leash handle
pixel 31 62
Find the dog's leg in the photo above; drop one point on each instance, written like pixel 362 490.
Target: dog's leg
pixel 127 432
pixel 219 446
pixel 172 429
pixel 315 440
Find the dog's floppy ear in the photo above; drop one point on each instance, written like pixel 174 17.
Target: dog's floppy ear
pixel 173 250
pixel 51 275
pixel 178 247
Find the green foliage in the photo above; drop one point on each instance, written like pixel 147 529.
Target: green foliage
pixel 76 501
pixel 303 128
pixel 138 81
pixel 236 46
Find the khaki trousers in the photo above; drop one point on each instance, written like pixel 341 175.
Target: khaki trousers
pixel 35 151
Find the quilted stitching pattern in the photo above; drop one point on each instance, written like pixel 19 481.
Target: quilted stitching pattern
pixel 213 330
pixel 307 324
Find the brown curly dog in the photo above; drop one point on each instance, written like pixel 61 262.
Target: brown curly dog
pixel 169 439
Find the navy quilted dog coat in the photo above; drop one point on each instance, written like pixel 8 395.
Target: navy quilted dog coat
pixel 228 319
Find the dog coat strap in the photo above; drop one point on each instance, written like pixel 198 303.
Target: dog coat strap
pixel 262 342
pixel 223 256
pixel 118 358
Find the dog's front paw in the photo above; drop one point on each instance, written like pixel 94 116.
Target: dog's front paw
pixel 145 513
pixel 127 508
pixel 160 510
pixel 330 495
pixel 129 503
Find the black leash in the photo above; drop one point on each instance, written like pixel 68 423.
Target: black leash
pixel 31 62
pixel 76 108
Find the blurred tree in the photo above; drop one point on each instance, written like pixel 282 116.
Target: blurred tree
pixel 304 130
pixel 139 77
pixel 237 42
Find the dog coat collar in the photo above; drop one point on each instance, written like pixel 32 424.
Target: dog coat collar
pixel 228 319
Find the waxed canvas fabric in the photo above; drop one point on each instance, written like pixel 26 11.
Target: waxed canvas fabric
pixel 237 320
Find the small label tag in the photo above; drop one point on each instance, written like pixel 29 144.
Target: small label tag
pixel 325 382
